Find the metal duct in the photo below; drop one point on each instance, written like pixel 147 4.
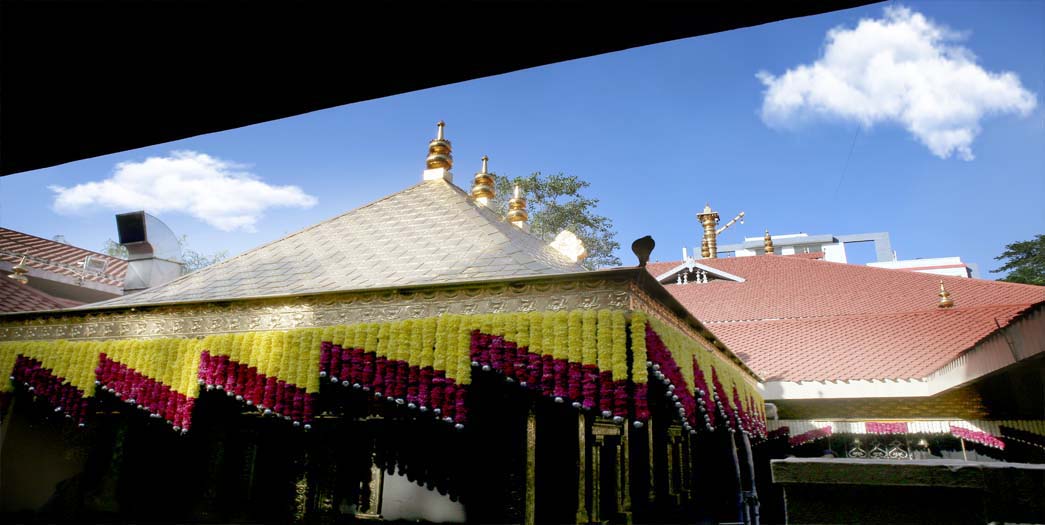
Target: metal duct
pixel 153 251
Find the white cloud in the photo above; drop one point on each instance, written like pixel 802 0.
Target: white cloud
pixel 902 68
pixel 218 192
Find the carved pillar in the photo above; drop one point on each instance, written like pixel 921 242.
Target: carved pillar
pixel 582 469
pixel 685 467
pixel 673 461
pixel 652 463
pixel 624 475
pixel 301 497
pixel 742 514
pixel 530 510
pixel 751 494
pixel 370 495
pixel 596 477
pixel 606 433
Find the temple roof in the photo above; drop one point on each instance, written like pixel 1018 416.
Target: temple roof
pixel 801 319
pixel 60 258
pixel 431 233
pixel 24 298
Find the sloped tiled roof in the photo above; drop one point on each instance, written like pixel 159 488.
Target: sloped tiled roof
pixel 16 297
pixel 431 233
pixel 59 258
pixel 798 319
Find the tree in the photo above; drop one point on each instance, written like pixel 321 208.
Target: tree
pixel 554 203
pixel 1025 261
pixel 191 259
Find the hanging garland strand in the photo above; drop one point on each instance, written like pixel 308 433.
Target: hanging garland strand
pixel 581 357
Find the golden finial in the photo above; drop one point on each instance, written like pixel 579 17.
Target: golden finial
pixel 768 242
pixel 517 209
pixel 945 297
pixel 483 188
pixel 19 270
pixel 439 151
pixel 705 252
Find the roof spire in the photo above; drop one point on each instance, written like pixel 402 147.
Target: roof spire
pixel 439 161
pixel 945 297
pixel 517 210
pixel 768 242
pixel 483 189
pixel 705 252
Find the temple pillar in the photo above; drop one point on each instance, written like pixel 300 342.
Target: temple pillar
pixel 624 475
pixel 652 496
pixel 751 494
pixel 370 490
pixel 582 468
pixel 370 494
pixel 731 450
pixel 673 462
pixel 530 508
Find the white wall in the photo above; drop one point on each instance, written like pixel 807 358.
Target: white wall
pixel 403 499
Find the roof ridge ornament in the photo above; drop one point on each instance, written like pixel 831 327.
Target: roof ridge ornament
pixel 517 210
pixel 945 297
pixel 439 160
pixel 483 190
pixel 709 220
pixel 767 241
pixel 19 271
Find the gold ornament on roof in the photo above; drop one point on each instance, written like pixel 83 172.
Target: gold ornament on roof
pixel 439 151
pixel 704 252
pixel 517 209
pixel 945 297
pixel 19 270
pixel 483 187
pixel 768 242
pixel 709 220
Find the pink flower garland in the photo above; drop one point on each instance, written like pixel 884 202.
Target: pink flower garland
pixel 977 437
pixel 42 382
pixel 872 427
pixel 145 393
pixel 812 435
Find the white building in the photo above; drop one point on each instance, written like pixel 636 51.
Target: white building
pixel 833 248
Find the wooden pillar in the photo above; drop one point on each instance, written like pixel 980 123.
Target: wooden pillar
pixel 752 492
pixel 582 468
pixel 742 514
pixel 652 463
pixel 371 491
pixel 530 509
pixel 674 463
pixel 624 475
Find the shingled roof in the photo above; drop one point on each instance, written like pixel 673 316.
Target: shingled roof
pixel 59 258
pixel 801 319
pixel 431 233
pixel 16 297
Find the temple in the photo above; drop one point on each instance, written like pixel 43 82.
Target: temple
pixel 418 358
pixel 880 363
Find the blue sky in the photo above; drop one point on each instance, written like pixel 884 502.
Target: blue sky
pixel 658 131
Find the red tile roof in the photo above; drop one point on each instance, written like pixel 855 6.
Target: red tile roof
pixel 15 297
pixel 53 256
pixel 797 319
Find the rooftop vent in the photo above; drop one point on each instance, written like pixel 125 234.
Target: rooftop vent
pixel 153 252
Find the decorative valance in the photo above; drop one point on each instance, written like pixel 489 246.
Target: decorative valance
pixel 594 359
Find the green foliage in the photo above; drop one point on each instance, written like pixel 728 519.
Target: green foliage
pixel 555 203
pixel 191 259
pixel 1025 261
pixel 115 249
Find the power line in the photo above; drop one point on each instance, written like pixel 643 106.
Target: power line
pixel 845 167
